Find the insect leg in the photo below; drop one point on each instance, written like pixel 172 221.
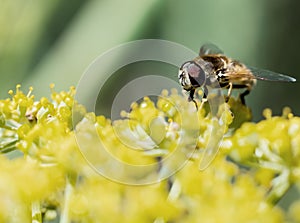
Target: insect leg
pixel 191 97
pixel 246 92
pixel 229 92
pixel 204 98
pixel 205 93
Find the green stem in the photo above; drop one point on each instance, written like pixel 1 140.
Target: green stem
pixel 280 186
pixel 66 206
pixel 36 214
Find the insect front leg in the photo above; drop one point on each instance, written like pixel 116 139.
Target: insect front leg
pixel 204 98
pixel 191 97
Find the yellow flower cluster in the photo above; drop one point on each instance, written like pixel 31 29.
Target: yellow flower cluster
pixel 271 148
pixel 55 171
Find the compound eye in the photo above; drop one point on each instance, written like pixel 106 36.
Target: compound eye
pixel 195 72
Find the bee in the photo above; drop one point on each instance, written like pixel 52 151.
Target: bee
pixel 213 68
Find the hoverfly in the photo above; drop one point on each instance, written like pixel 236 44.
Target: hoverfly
pixel 212 65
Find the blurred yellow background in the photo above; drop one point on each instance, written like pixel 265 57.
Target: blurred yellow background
pixel 43 42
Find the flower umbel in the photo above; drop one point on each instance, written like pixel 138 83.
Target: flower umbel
pixel 49 178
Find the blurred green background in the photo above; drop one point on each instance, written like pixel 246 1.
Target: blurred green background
pixel 43 42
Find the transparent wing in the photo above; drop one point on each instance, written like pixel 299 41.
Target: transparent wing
pixel 210 48
pixel 267 75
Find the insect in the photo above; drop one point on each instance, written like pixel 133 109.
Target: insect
pixel 213 68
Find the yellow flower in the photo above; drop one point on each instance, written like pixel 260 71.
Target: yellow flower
pixel 24 181
pixel 222 194
pixel 273 146
pixel 63 147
